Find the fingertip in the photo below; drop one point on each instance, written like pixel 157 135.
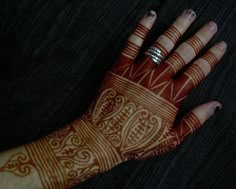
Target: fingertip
pixel 217 107
pixel 207 110
pixel 149 19
pixel 222 45
pixel 151 14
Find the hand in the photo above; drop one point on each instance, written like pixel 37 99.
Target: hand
pixel 132 117
pixel 136 107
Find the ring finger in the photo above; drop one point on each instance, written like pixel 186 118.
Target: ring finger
pixel 167 41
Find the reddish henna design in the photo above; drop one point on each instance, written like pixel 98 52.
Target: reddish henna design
pixel 19 164
pixel 210 58
pixel 195 74
pixel 186 126
pixel 131 117
pixel 176 62
pixel 131 50
pixel 141 31
pixel 163 49
pixel 196 43
pixel 173 34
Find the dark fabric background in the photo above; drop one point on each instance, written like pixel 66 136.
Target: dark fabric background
pixel 54 55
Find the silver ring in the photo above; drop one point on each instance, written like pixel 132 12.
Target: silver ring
pixel 155 54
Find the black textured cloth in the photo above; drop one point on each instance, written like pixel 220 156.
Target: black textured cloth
pixel 54 55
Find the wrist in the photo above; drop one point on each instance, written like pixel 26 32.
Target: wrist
pixel 104 155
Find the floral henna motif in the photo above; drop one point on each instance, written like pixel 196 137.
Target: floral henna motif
pixel 19 164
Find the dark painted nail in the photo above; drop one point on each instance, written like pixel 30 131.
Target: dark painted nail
pixel 151 13
pixel 190 12
pixel 218 108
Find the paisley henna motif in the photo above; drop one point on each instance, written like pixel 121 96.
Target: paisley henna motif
pixel 19 164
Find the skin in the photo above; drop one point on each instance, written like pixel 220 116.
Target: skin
pixel 132 117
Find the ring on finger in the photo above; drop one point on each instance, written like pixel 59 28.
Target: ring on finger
pixel 155 54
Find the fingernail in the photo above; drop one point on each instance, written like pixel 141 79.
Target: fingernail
pixel 217 107
pixel 212 26
pixel 151 14
pixel 189 13
pixel 222 45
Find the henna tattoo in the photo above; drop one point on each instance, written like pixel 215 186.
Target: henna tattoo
pixel 119 125
pixel 210 58
pixel 195 73
pixel 162 48
pixel 131 50
pixel 141 31
pixel 196 43
pixel 130 118
pixel 19 164
pixel 173 34
pixel 176 62
pixel 186 126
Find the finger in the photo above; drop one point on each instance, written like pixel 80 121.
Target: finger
pixel 165 43
pixel 198 71
pixel 195 119
pixel 169 38
pixel 134 43
pixel 189 49
pixel 137 38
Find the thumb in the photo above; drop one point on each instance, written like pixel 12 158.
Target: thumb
pixel 194 119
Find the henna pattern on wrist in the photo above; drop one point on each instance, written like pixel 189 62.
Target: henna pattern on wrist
pixel 19 164
pixel 119 126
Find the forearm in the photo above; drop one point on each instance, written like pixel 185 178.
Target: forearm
pixel 60 160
